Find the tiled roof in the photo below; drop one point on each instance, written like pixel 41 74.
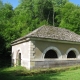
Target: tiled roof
pixel 55 33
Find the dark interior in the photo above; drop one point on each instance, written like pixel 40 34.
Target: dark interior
pixel 71 54
pixel 51 54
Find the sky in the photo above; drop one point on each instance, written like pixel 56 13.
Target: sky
pixel 77 2
pixel 15 3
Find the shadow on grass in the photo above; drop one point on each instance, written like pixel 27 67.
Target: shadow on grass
pixel 11 75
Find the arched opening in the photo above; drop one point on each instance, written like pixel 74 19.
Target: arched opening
pixel 53 50
pixel 71 54
pixel 51 54
pixel 19 59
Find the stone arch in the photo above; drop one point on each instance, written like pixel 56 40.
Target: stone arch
pixel 51 54
pixel 54 49
pixel 74 51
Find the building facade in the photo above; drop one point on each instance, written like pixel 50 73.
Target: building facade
pixel 47 47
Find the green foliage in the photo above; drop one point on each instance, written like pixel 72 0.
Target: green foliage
pixel 6 14
pixel 71 17
pixel 2 44
pixel 1 4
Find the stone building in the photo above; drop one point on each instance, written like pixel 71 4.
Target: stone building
pixel 47 47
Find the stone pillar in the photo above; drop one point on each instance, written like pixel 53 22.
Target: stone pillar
pixel 32 50
pixel 32 54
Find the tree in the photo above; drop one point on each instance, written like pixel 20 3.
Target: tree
pixel 71 17
pixel 1 4
pixel 57 5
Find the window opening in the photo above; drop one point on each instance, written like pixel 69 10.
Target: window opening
pixel 51 54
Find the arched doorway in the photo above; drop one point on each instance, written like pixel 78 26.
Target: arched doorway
pixel 18 58
pixel 51 54
pixel 71 54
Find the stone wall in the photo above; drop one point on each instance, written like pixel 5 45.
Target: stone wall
pixel 54 63
pixel 64 48
pixel 24 49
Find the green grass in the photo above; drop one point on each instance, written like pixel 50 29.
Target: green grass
pixel 19 73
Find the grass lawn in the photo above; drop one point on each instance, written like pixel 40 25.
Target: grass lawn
pixel 20 73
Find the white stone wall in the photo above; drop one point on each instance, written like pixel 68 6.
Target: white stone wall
pixel 24 49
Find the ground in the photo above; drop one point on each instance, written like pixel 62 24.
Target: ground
pixel 20 73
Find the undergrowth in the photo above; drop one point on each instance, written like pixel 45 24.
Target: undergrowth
pixel 21 71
